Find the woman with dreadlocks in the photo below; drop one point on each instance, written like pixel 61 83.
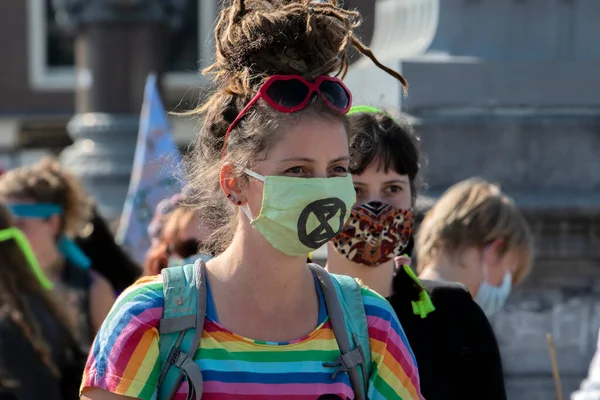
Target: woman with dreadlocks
pixel 38 355
pixel 270 169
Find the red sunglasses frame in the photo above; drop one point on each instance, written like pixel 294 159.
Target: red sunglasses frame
pixel 312 88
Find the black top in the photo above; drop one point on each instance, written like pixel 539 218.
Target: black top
pixel 455 346
pixel 23 374
pixel 75 291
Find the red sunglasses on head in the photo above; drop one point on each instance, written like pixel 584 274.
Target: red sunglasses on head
pixel 292 93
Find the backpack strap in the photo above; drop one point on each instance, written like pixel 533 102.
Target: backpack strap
pixel 344 302
pixel 181 329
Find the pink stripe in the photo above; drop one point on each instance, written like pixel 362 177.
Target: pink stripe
pixel 281 389
pixel 381 330
pixel 150 316
pixel 125 344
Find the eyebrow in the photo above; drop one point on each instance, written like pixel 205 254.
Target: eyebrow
pixel 404 181
pixel 306 159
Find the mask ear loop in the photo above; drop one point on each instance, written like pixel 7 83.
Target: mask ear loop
pixel 25 247
pixel 245 208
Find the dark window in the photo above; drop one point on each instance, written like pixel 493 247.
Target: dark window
pixel 59 44
pixel 182 55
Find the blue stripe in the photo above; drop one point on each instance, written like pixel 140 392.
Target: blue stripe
pixel 283 378
pixel 275 367
pixel 119 317
pixel 389 315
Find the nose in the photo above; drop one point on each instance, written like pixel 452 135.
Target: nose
pixel 374 198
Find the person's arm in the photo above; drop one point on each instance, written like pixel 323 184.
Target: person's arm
pixel 394 373
pixel 102 298
pixel 124 357
pixel 30 378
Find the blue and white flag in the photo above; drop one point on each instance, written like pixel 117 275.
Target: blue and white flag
pixel 154 174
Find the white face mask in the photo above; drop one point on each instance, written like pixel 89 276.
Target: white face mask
pixel 491 298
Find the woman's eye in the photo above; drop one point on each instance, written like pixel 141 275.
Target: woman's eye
pixel 394 189
pixel 358 191
pixel 294 170
pixel 339 170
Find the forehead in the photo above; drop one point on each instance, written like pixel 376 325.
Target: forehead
pixel 376 173
pixel 311 137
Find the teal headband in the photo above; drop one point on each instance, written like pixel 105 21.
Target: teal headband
pixel 369 110
pixel 18 236
pixel 67 247
pixel 39 210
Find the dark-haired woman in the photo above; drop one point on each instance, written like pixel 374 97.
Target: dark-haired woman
pixel 270 169
pixel 39 358
pixel 453 342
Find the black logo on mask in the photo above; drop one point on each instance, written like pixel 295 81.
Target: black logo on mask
pixel 324 211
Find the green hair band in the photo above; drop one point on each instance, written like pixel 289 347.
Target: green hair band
pixel 18 236
pixel 424 305
pixel 370 110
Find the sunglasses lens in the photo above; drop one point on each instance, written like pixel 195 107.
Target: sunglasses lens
pixel 288 93
pixel 335 93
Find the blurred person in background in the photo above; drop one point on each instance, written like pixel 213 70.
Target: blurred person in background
pixel 51 208
pixel 454 345
pixel 39 356
pixel 177 236
pixel 108 258
pixel 476 235
pixel 590 387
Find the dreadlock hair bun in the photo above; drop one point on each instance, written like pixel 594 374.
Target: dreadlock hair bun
pixel 254 40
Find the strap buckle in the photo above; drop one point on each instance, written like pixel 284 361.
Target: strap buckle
pixel 346 362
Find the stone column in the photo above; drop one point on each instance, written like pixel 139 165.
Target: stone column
pixel 118 43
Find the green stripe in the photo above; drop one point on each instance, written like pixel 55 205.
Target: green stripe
pixel 382 386
pixel 149 388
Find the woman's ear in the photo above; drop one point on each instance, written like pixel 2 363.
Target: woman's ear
pixel 231 184
pixel 493 255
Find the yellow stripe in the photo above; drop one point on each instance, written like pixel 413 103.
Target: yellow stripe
pixel 152 355
pixel 323 340
pixel 135 363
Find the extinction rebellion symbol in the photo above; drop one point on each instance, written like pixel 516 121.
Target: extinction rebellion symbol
pixel 326 212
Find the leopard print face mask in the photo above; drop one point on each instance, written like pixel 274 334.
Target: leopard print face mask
pixel 375 233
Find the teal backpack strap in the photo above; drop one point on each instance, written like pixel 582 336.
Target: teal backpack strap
pixel 343 300
pixel 181 329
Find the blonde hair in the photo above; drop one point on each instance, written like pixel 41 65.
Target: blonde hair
pixel 48 182
pixel 176 222
pixel 474 213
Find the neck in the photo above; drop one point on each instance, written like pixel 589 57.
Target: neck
pixel 53 263
pixel 377 278
pixel 253 269
pixel 450 269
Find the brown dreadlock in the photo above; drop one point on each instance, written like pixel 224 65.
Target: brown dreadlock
pixel 255 39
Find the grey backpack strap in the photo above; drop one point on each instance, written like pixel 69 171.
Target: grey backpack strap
pixel 350 359
pixel 183 334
